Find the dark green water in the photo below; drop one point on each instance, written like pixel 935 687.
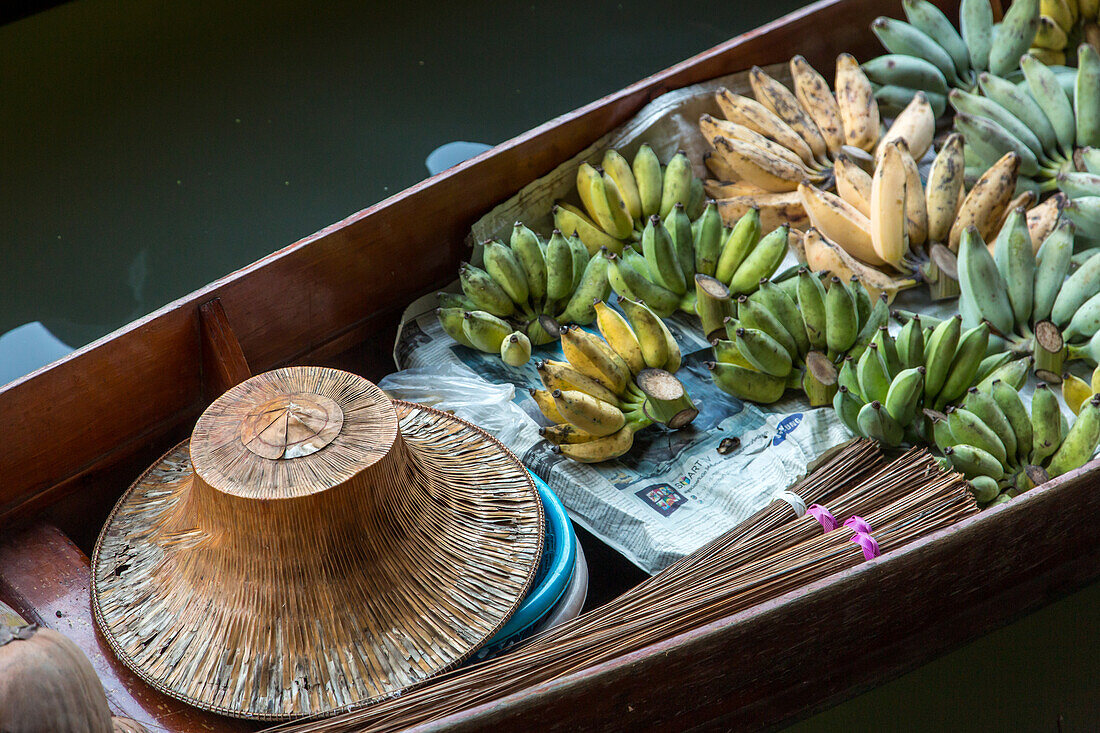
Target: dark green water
pixel 151 147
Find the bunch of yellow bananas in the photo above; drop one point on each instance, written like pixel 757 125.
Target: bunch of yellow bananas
pixel 608 389
pixel 620 197
pixel 1062 25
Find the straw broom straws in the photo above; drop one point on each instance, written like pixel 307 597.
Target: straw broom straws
pixel 927 503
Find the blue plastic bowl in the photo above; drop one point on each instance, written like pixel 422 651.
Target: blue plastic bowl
pixel 559 554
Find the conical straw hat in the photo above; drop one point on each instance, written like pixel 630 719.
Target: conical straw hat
pixel 312 546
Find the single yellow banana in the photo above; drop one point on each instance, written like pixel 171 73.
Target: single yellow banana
pixel 593 193
pixel 784 104
pixel 821 254
pixel 755 116
pixel 855 98
pixel 719 168
pixel 943 192
pixel 592 357
pixel 1061 12
pixel 853 184
pixel 591 415
pixel 984 206
pixel 1050 36
pixel 916 125
pixel 568 218
pixel 916 212
pixel 619 209
pixel 1042 219
pixel 547 406
pixel 725 189
pixel 817 99
pixel 712 128
pixel 888 225
pixel 562 375
pixel 755 165
pixel 1075 391
pixel 620 337
pixel 840 222
pixel 617 167
pixel 649 331
pixel 775 209
pixel 565 433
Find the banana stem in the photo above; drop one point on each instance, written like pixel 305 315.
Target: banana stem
pixel 713 304
pixel 819 381
pixel 940 286
pixel 667 401
pixel 1048 364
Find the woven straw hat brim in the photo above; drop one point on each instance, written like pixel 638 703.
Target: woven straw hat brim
pixel 438 575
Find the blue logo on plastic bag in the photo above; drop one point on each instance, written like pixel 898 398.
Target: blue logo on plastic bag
pixel 786 425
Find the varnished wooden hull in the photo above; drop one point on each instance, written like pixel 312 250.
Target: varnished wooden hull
pixel 78 431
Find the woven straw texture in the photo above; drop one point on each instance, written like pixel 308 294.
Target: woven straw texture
pixel 386 550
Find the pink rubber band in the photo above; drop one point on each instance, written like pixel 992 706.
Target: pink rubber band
pixel 858 525
pixel 868 544
pixel 823 516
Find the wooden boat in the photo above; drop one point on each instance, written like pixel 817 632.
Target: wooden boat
pixel 78 431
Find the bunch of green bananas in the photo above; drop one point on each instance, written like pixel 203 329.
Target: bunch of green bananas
pixel 608 389
pixel 792 335
pixel 1050 120
pixel 993 441
pixel 674 251
pixel 1062 24
pixel 1076 391
pixel 883 390
pixel 620 197
pixel 1027 298
pixel 500 306
pixel 928 54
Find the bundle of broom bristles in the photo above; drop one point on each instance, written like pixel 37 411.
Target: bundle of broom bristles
pixel 863 502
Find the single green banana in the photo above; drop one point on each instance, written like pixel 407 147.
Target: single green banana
pixel 811 302
pixel 516 349
pixel 580 258
pixel 991 363
pixel 984 488
pixel 976 28
pixel 911 72
pixel 990 141
pixel 984 107
pixel 1084 211
pixel 1077 184
pixel 661 300
pixel 986 409
pixel 484 291
pixel 485 331
pixel 888 352
pixel 559 268
pixel 910 345
pixel 846 377
pixel 840 314
pixel 1080 442
pixel 941 431
pixel 751 314
pixel 679 230
pixel 451 320
pixel 1015 260
pixel 660 253
pixel 1013 37
pixel 973 462
pixel 847 409
pixel 1077 289
pixel 742 239
pixel 1089 351
pixel 747 384
pixel 775 299
pixel 1054 258
pixel 1086 98
pixel 593 288
pixel 455 300
pixel 616 166
pixel 938 355
pixel 503 266
pixel 1008 399
pixel 761 262
pixel 709 236
pixel 981 284
pixel 1046 424
pixel 905 395
pixel 649 331
pixel 647 173
pixel 902 38
pixel 763 352
pixel 676 186
pixel 1047 91
pixel 872 324
pixel 968 357
pixel 1021 105
pixel 525 246
pixel 874 379
pixel 1014 374
pixel 928 18
pixel 698 199
pixel 874 422
pixel 862 299
pixel 1085 322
